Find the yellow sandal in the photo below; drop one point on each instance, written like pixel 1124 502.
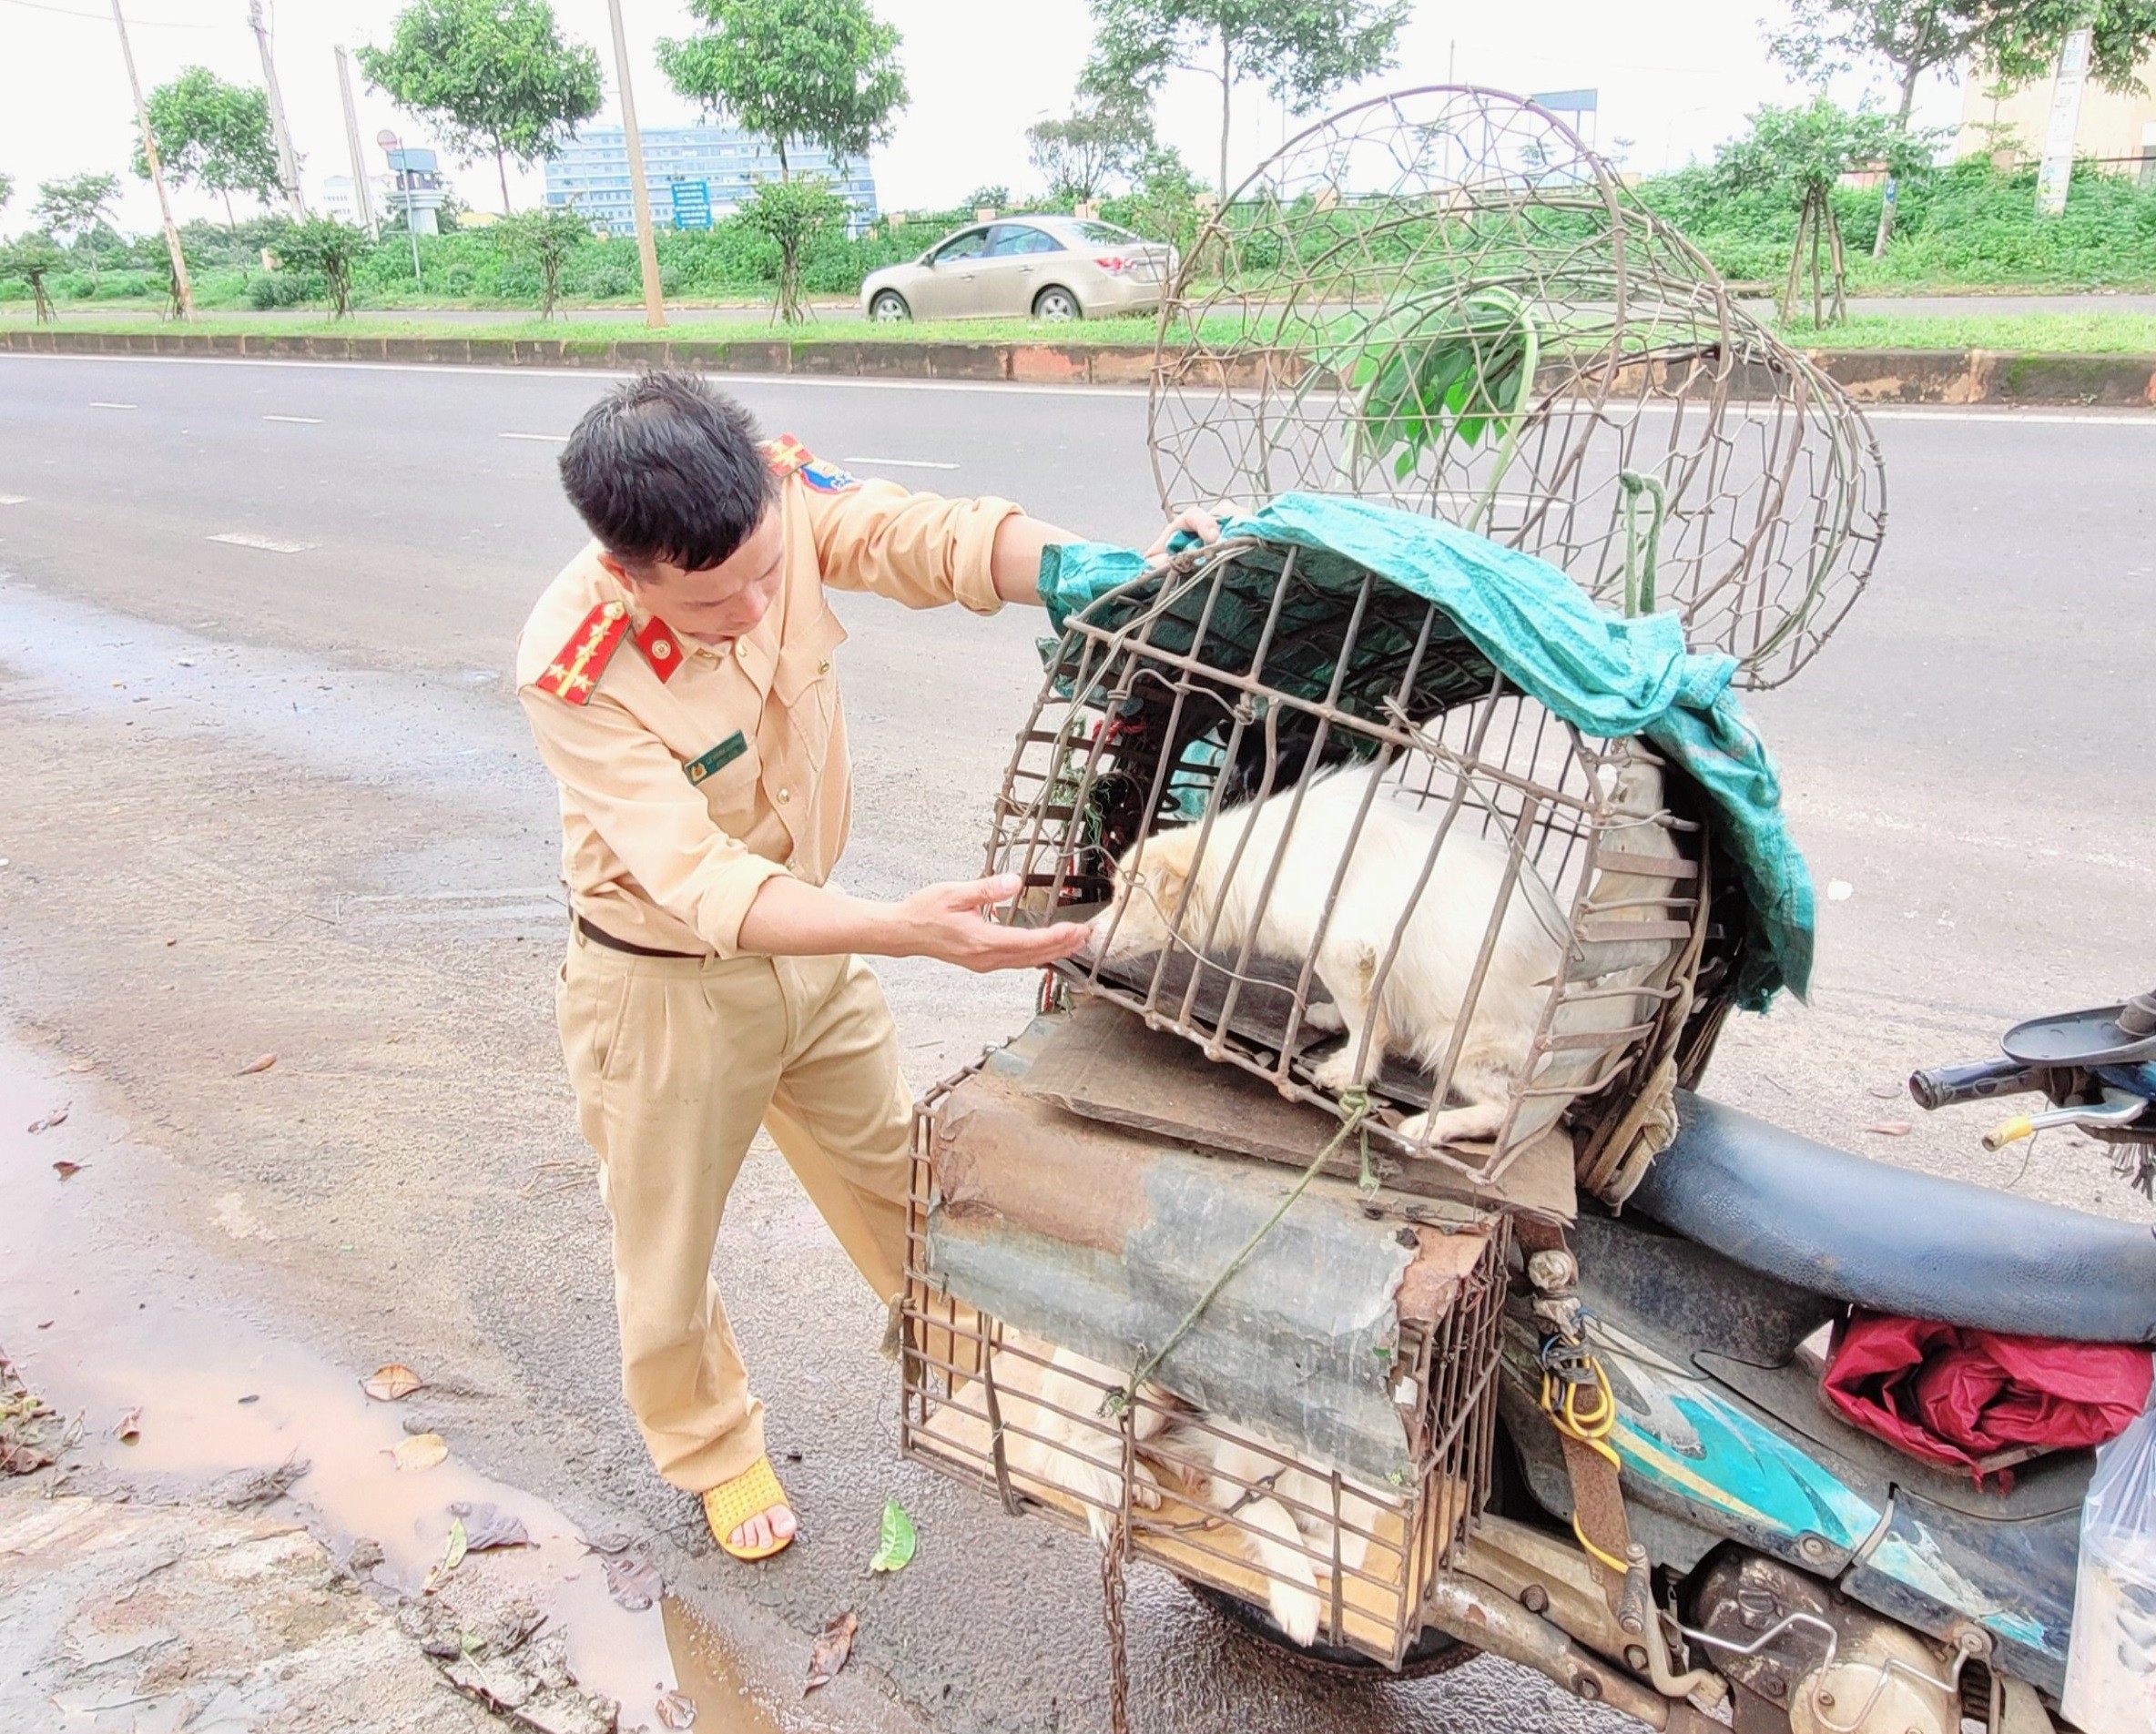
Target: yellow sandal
pixel 749 1494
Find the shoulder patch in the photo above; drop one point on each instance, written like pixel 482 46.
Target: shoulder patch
pixel 574 672
pixel 826 479
pixel 785 455
pixel 661 648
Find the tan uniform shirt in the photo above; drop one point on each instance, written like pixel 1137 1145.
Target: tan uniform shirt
pixel 656 858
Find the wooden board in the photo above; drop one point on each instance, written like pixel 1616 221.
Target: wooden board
pixel 1102 1063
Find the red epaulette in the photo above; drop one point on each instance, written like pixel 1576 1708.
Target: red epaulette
pixel 785 455
pixel 577 666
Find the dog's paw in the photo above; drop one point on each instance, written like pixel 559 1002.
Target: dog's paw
pixel 1336 1072
pixel 1324 1019
pixel 1145 1488
pixel 1295 1610
pixel 1454 1125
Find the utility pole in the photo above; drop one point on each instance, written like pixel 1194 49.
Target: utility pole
pixel 361 196
pixel 288 164
pixel 2056 173
pixel 157 173
pixel 647 246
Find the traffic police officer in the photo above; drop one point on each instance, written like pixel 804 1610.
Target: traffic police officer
pixel 679 676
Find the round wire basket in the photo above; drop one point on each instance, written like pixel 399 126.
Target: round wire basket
pixel 1442 299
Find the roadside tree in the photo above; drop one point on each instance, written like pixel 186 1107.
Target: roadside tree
pixel 1798 154
pixel 1303 50
pixel 1103 139
pixel 493 77
pixel 544 239
pixel 325 245
pixel 2011 41
pixel 33 258
pixel 215 135
pixel 826 74
pixel 790 215
pixel 77 212
pixel 6 189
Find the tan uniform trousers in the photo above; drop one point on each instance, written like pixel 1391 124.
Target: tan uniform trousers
pixel 675 1062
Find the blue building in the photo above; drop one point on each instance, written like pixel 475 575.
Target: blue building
pixel 713 167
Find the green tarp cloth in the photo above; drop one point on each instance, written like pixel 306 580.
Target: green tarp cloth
pixel 1607 676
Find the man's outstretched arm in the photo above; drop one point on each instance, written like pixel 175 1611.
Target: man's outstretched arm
pixel 791 918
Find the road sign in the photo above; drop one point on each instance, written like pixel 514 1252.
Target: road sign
pixel 692 204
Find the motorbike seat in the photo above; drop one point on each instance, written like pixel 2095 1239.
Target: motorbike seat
pixel 1895 1240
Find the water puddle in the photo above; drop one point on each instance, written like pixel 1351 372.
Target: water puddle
pixel 109 1316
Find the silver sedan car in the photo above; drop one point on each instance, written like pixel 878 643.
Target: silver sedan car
pixel 1043 268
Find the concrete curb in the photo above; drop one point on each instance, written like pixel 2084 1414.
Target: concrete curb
pixel 1871 376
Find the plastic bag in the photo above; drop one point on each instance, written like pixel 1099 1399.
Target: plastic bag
pixel 2110 1663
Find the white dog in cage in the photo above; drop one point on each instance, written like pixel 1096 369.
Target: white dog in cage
pixel 1168 893
pixel 1264 1502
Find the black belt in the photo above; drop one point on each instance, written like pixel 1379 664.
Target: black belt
pixel 598 936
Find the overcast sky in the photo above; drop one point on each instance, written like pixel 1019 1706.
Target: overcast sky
pixel 1675 77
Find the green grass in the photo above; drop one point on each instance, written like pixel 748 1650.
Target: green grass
pixel 2098 333
pixel 2036 333
pixel 683 328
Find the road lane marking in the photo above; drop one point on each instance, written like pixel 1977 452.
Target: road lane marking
pixel 302 421
pixel 94 405
pixel 268 544
pixel 898 463
pixel 556 438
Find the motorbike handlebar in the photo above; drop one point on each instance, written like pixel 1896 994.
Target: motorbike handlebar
pixel 1975 1081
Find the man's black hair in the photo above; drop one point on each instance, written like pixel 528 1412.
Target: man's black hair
pixel 665 468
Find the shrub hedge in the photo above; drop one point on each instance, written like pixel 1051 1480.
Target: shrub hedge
pixel 1965 224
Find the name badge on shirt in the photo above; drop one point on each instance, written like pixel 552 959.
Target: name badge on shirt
pixel 718 758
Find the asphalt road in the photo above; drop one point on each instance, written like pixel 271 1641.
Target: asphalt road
pixel 266 791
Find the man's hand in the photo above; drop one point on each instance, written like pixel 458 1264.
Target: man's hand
pixel 1203 524
pixel 949 922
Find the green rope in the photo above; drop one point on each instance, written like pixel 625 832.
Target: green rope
pixel 1356 1104
pixel 1640 553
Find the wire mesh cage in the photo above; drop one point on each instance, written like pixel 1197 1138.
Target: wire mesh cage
pixel 1442 299
pixel 1336 1558
pixel 1318 834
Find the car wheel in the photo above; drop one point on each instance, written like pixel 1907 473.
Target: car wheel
pixel 889 308
pixel 1057 305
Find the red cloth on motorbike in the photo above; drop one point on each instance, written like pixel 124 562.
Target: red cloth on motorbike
pixel 1961 1397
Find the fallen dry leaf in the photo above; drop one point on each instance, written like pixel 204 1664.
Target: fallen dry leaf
pixel 421 1451
pixel 392 1383
pixel 82 1066
pixel 130 1427
pixel 834 1644
pixel 261 1064
pixel 452 1551
pixel 675 1710
pixel 1889 1128
pixel 635 1583
pixel 1885 1092
pixel 21 1459
pixel 487 1527
pixel 58 1117
pixel 67 1171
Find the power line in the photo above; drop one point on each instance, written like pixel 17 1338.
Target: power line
pixel 99 17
